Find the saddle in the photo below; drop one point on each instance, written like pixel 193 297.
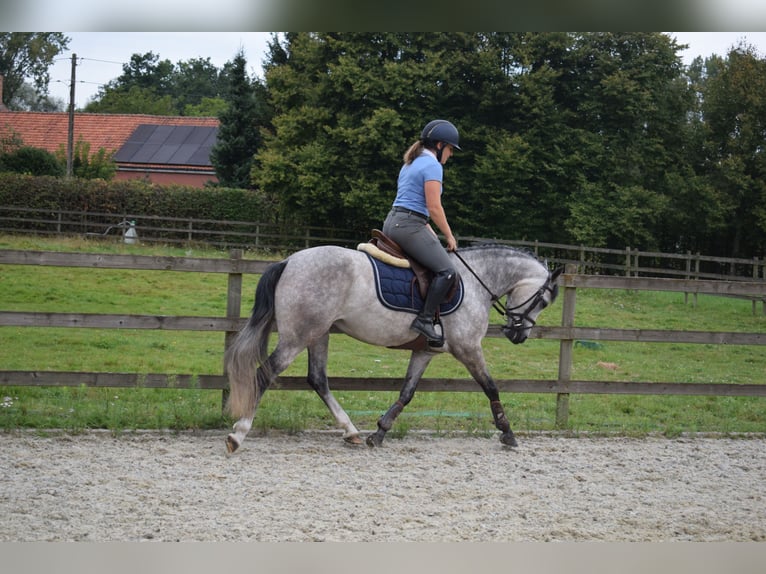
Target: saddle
pixel 387 250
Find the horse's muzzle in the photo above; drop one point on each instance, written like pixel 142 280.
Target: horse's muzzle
pixel 515 335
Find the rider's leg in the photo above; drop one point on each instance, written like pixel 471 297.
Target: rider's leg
pixel 437 291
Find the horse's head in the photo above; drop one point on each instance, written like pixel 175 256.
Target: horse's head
pixel 524 304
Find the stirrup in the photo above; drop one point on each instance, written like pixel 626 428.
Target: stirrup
pixel 434 338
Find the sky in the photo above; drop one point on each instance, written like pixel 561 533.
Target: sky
pixel 101 54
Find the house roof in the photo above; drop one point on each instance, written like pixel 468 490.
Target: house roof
pixel 49 131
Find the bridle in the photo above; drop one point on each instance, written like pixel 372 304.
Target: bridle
pixel 515 318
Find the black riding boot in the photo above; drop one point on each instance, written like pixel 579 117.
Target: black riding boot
pixel 424 322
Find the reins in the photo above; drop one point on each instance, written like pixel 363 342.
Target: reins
pixel 495 298
pixel 505 311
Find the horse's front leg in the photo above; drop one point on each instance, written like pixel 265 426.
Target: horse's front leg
pixel 418 363
pixel 474 361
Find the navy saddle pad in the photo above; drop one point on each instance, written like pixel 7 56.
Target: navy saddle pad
pixel 396 289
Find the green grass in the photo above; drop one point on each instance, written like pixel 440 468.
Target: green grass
pixel 32 288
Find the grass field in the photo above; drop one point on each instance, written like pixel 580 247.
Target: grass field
pixel 54 289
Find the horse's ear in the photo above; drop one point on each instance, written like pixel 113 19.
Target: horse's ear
pixel 556 273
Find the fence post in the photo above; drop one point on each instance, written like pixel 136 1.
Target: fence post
pixel 696 275
pixel 688 273
pixel 565 350
pixel 233 307
pixel 627 261
pixel 755 278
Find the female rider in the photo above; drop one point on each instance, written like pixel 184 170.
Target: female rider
pixel 418 198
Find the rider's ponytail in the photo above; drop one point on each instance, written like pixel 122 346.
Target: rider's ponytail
pixel 413 152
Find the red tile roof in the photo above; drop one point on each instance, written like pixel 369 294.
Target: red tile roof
pixel 48 130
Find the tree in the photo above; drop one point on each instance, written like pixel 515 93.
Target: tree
pixel 238 135
pixel 132 100
pixel 601 138
pixel 347 105
pixel 734 112
pixel 28 56
pixel 631 109
pixel 196 81
pixel 142 88
pixel 149 85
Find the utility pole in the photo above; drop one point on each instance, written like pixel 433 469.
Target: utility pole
pixel 70 133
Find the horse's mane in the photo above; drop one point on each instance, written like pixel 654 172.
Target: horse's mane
pixel 522 251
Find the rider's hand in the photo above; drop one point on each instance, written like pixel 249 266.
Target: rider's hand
pixel 451 243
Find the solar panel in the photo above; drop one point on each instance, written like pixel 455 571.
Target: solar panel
pixel 170 145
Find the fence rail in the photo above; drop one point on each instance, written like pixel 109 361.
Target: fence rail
pixel 235 266
pixel 267 236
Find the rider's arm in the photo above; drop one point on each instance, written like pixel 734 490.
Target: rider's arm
pixel 433 190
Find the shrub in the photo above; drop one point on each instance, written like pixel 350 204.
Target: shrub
pixel 133 197
pixel 31 161
pixel 98 165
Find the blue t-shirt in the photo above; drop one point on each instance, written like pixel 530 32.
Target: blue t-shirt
pixel 410 192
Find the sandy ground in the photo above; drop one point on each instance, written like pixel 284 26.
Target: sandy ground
pixel 311 487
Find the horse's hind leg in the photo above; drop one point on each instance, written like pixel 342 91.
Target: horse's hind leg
pixel 418 363
pixel 317 379
pixel 279 360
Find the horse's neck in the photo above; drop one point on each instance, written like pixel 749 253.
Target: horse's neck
pixel 502 270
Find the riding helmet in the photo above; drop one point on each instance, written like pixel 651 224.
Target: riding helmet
pixel 441 131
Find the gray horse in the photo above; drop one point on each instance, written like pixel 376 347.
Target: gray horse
pixel 321 287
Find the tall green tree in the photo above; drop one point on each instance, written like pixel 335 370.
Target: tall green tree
pixel 734 112
pixel 150 85
pixel 143 87
pixel 521 172
pixel 196 81
pixel 347 105
pixel 598 138
pixel 629 104
pixel 27 56
pixel 133 100
pixel 239 132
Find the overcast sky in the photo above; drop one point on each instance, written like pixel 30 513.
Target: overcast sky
pixel 102 54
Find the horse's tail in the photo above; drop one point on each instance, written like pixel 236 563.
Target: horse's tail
pixel 250 347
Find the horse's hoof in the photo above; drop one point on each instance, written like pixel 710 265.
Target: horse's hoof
pixel 353 440
pixel 508 440
pixel 231 444
pixel 374 440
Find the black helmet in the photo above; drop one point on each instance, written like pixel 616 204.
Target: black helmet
pixel 441 131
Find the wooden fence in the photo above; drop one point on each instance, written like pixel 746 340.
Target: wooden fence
pixel 236 266
pixel 266 236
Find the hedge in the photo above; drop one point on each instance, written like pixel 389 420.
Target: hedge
pixel 134 197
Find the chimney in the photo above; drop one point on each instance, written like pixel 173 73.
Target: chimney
pixel 2 106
